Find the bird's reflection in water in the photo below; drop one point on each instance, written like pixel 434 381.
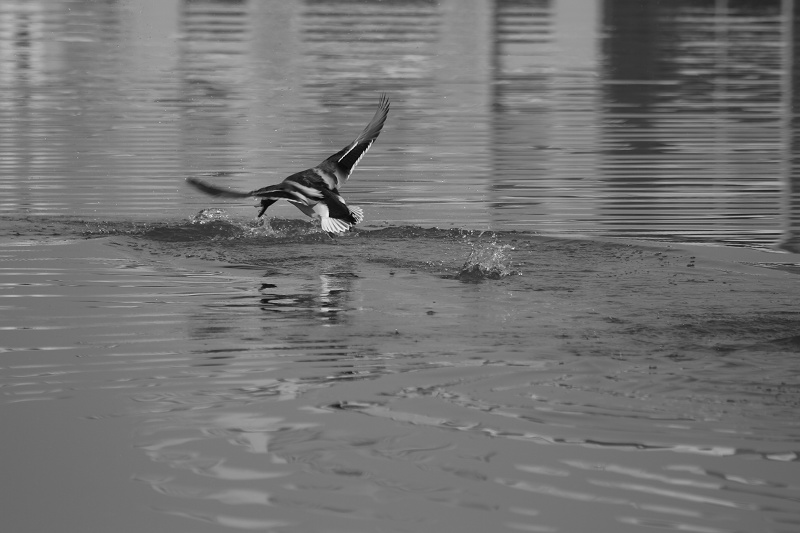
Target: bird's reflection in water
pixel 325 301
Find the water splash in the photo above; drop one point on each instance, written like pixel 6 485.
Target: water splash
pixel 487 260
pixel 217 222
pixel 207 216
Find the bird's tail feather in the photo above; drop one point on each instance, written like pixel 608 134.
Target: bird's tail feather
pixel 357 213
pixel 333 225
pixel 213 190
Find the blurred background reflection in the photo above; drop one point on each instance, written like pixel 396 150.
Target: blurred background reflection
pixel 632 117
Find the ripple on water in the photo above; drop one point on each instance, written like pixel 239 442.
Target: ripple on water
pixel 260 375
pixel 293 374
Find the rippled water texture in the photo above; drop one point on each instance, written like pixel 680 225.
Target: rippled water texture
pixel 572 306
pixel 626 117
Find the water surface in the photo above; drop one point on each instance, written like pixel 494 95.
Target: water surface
pixel 638 118
pixel 572 306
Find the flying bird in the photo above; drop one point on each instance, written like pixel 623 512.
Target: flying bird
pixel 315 191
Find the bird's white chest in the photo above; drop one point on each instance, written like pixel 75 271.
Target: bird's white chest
pixel 320 210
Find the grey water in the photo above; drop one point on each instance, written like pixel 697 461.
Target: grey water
pixel 572 305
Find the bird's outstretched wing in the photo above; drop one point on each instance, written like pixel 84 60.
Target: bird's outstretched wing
pixel 342 163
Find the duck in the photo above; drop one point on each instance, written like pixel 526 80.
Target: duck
pixel 315 191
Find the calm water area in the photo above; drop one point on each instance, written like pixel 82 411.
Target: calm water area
pixel 572 305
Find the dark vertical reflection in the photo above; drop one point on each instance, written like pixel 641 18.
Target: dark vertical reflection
pixel 693 103
pixel 214 69
pixel 522 104
pixel 633 70
pixel 791 237
pixel 636 82
pixel 18 70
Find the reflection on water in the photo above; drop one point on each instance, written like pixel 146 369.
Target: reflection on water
pixel 260 375
pixel 326 305
pixel 214 83
pixel 263 380
pixel 668 118
pixel 697 136
pixel 637 118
